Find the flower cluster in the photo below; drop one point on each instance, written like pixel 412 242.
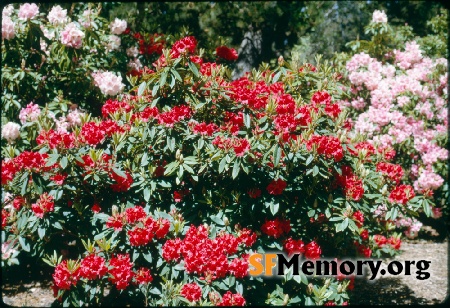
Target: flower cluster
pixel 108 82
pixel 197 248
pixel 276 227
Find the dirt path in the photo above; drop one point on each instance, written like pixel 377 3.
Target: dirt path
pixel 387 290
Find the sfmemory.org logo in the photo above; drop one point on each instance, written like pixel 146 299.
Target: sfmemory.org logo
pixel 275 264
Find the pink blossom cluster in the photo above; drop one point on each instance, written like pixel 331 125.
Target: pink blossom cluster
pixel 28 11
pixel 113 43
pixel 8 31
pixel 30 113
pixel 406 104
pixel 72 36
pixel 108 82
pixel 57 15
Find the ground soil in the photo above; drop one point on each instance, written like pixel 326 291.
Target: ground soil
pixel 30 286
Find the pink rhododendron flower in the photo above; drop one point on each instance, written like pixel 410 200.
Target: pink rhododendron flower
pixel 379 17
pixel 72 36
pixel 8 31
pixel 118 26
pixel 108 82
pixel 57 15
pixel 28 11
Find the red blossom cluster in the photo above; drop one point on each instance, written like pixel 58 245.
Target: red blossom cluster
pixel 363 250
pixel 358 217
pixel 54 139
pixel 122 183
pixel 401 194
pixel 93 133
pixel 120 271
pixel 176 114
pixel 276 227
pixel 112 106
pixel 63 278
pixel 93 267
pixel 44 205
pixel 239 145
pixel 392 171
pixel 149 44
pixel 329 146
pixel 142 227
pixel 226 53
pixel 232 122
pixel 204 129
pixel 142 276
pixel 25 161
pixel 209 257
pixel 230 299
pixel 276 187
pixel 191 291
pixel 184 46
pixel 254 193
pixel 353 187
pixel 365 148
pixel 381 240
pixel 146 114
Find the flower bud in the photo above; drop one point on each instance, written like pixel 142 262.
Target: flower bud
pixel 177 154
pixel 115 210
pixel 226 221
pixel 309 289
pixel 280 60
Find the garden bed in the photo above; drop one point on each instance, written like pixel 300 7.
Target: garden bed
pixel 25 290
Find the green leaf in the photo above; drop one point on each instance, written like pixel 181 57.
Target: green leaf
pixel 24 180
pixel 193 68
pixel 247 120
pixel 63 162
pixel 311 213
pixel 274 208
pixel 146 194
pixel 144 159
pixel 236 169
pixel 141 88
pixel 222 164
pixel 41 232
pixel 309 160
pixel 276 155
pixel 25 246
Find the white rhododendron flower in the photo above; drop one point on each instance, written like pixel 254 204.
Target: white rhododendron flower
pixel 7 10
pixel 11 131
pixel 118 26
pixel 113 43
pixel 28 11
pixel 379 17
pixel 57 15
pixel 72 36
pixel 108 82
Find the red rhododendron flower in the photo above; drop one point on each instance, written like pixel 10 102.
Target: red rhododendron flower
pixel 171 250
pixel 380 240
pixel 5 215
pixel 18 202
pixel 162 227
pixel 116 221
pixel 394 242
pixel 312 251
pixel 44 205
pixel 254 193
pixel 353 187
pixel 91 133
pixel 393 172
pixel 113 106
pixel 321 97
pixel 59 178
pixel 93 267
pixel 9 170
pixel 230 299
pixel 142 276
pixel 205 129
pixel 120 271
pixel 276 227
pixel 226 53
pixel 135 213
pixel 63 278
pixel 358 217
pixel 191 291
pixel 56 139
pixel 363 147
pixel 183 46
pixel 364 234
pixel 333 110
pixel 247 237
pixel 401 194
pixel 239 267
pixel 96 208
pixel 294 246
pixel 241 146
pixel 276 187
pixel 329 146
pixel 139 236
pixel 123 183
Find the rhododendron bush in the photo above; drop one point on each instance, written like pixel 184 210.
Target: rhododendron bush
pixel 164 192
pixel 167 193
pixel 399 100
